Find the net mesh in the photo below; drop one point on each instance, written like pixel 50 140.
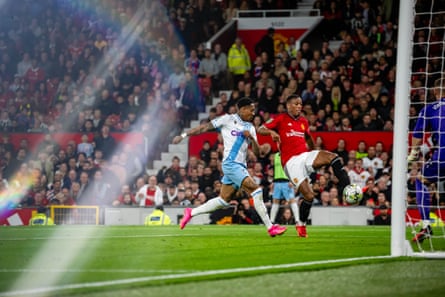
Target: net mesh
pixel 75 215
pixel 427 67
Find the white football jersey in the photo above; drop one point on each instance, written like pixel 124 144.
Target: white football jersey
pixel 231 127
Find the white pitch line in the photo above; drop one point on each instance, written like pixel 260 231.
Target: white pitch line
pixel 179 276
pixel 139 236
pixel 56 270
pixel 102 237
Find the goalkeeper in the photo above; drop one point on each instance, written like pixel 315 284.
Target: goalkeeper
pixel 432 120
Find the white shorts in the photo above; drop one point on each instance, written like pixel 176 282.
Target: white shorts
pixel 298 168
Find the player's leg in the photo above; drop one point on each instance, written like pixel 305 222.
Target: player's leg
pixel 423 198
pixel 305 207
pixel 295 209
pixel 324 158
pixel 213 204
pixel 227 190
pixel 288 192
pixel 290 197
pixel 276 199
pixel 298 169
pixel 254 190
pixel 238 175
pixel 274 209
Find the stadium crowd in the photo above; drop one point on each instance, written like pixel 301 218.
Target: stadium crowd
pixel 98 67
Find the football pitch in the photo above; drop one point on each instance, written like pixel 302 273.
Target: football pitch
pixel 210 260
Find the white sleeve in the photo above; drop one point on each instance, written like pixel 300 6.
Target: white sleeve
pixel 253 132
pixel 220 121
pixel 159 199
pixel 142 191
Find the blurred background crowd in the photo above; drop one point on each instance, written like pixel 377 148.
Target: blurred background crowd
pixel 106 66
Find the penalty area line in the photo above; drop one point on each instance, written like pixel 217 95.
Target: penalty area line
pixel 53 289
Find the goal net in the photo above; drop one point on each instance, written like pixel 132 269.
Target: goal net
pixel 421 47
pixel 74 215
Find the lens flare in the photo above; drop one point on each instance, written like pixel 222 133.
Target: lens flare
pixel 56 254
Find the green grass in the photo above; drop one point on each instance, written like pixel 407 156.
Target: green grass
pixel 209 261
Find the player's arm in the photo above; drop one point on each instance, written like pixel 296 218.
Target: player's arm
pixel 253 142
pixel 417 136
pixel 207 127
pixel 262 130
pixel 415 149
pixel 309 141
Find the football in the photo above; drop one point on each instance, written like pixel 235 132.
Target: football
pixel 352 194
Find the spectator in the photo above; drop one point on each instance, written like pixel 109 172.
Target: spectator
pixel 207 179
pixel 204 153
pixel 308 94
pixel 150 194
pixel 105 142
pixel 370 192
pixel 126 197
pixel 34 75
pixel 172 171
pixel 64 198
pixel 170 194
pixel 265 81
pixel 201 199
pixel 245 214
pixel 325 199
pixel 191 64
pixel 382 217
pixel 361 150
pixel 238 60
pixel 286 217
pixel 186 103
pixel 268 102
pixel 222 81
pixel 340 150
pixel 366 124
pixel 384 187
pixel 208 70
pixel 359 175
pixel 373 162
pixel 99 190
pixel 85 147
pixel 333 20
pixel 178 75
pixel 266 44
pixel 231 11
pixel 24 65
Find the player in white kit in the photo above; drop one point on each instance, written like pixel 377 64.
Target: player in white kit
pixel 238 133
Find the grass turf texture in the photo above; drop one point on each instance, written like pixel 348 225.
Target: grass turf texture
pixel 209 261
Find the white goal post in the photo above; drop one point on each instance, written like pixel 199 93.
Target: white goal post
pixel 400 244
pixel 399 247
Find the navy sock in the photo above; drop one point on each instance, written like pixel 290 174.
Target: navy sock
pixel 305 209
pixel 340 173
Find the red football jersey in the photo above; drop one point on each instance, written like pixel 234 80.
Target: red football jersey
pixel 292 134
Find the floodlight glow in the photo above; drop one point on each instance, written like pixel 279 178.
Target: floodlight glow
pixel 59 254
pixel 12 195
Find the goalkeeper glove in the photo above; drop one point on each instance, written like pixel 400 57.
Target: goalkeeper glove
pixel 413 156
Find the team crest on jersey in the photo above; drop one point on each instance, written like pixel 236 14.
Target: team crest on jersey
pixel 289 124
pixel 302 127
pixel 295 180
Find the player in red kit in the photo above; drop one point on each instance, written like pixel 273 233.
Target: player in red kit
pixel 291 131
